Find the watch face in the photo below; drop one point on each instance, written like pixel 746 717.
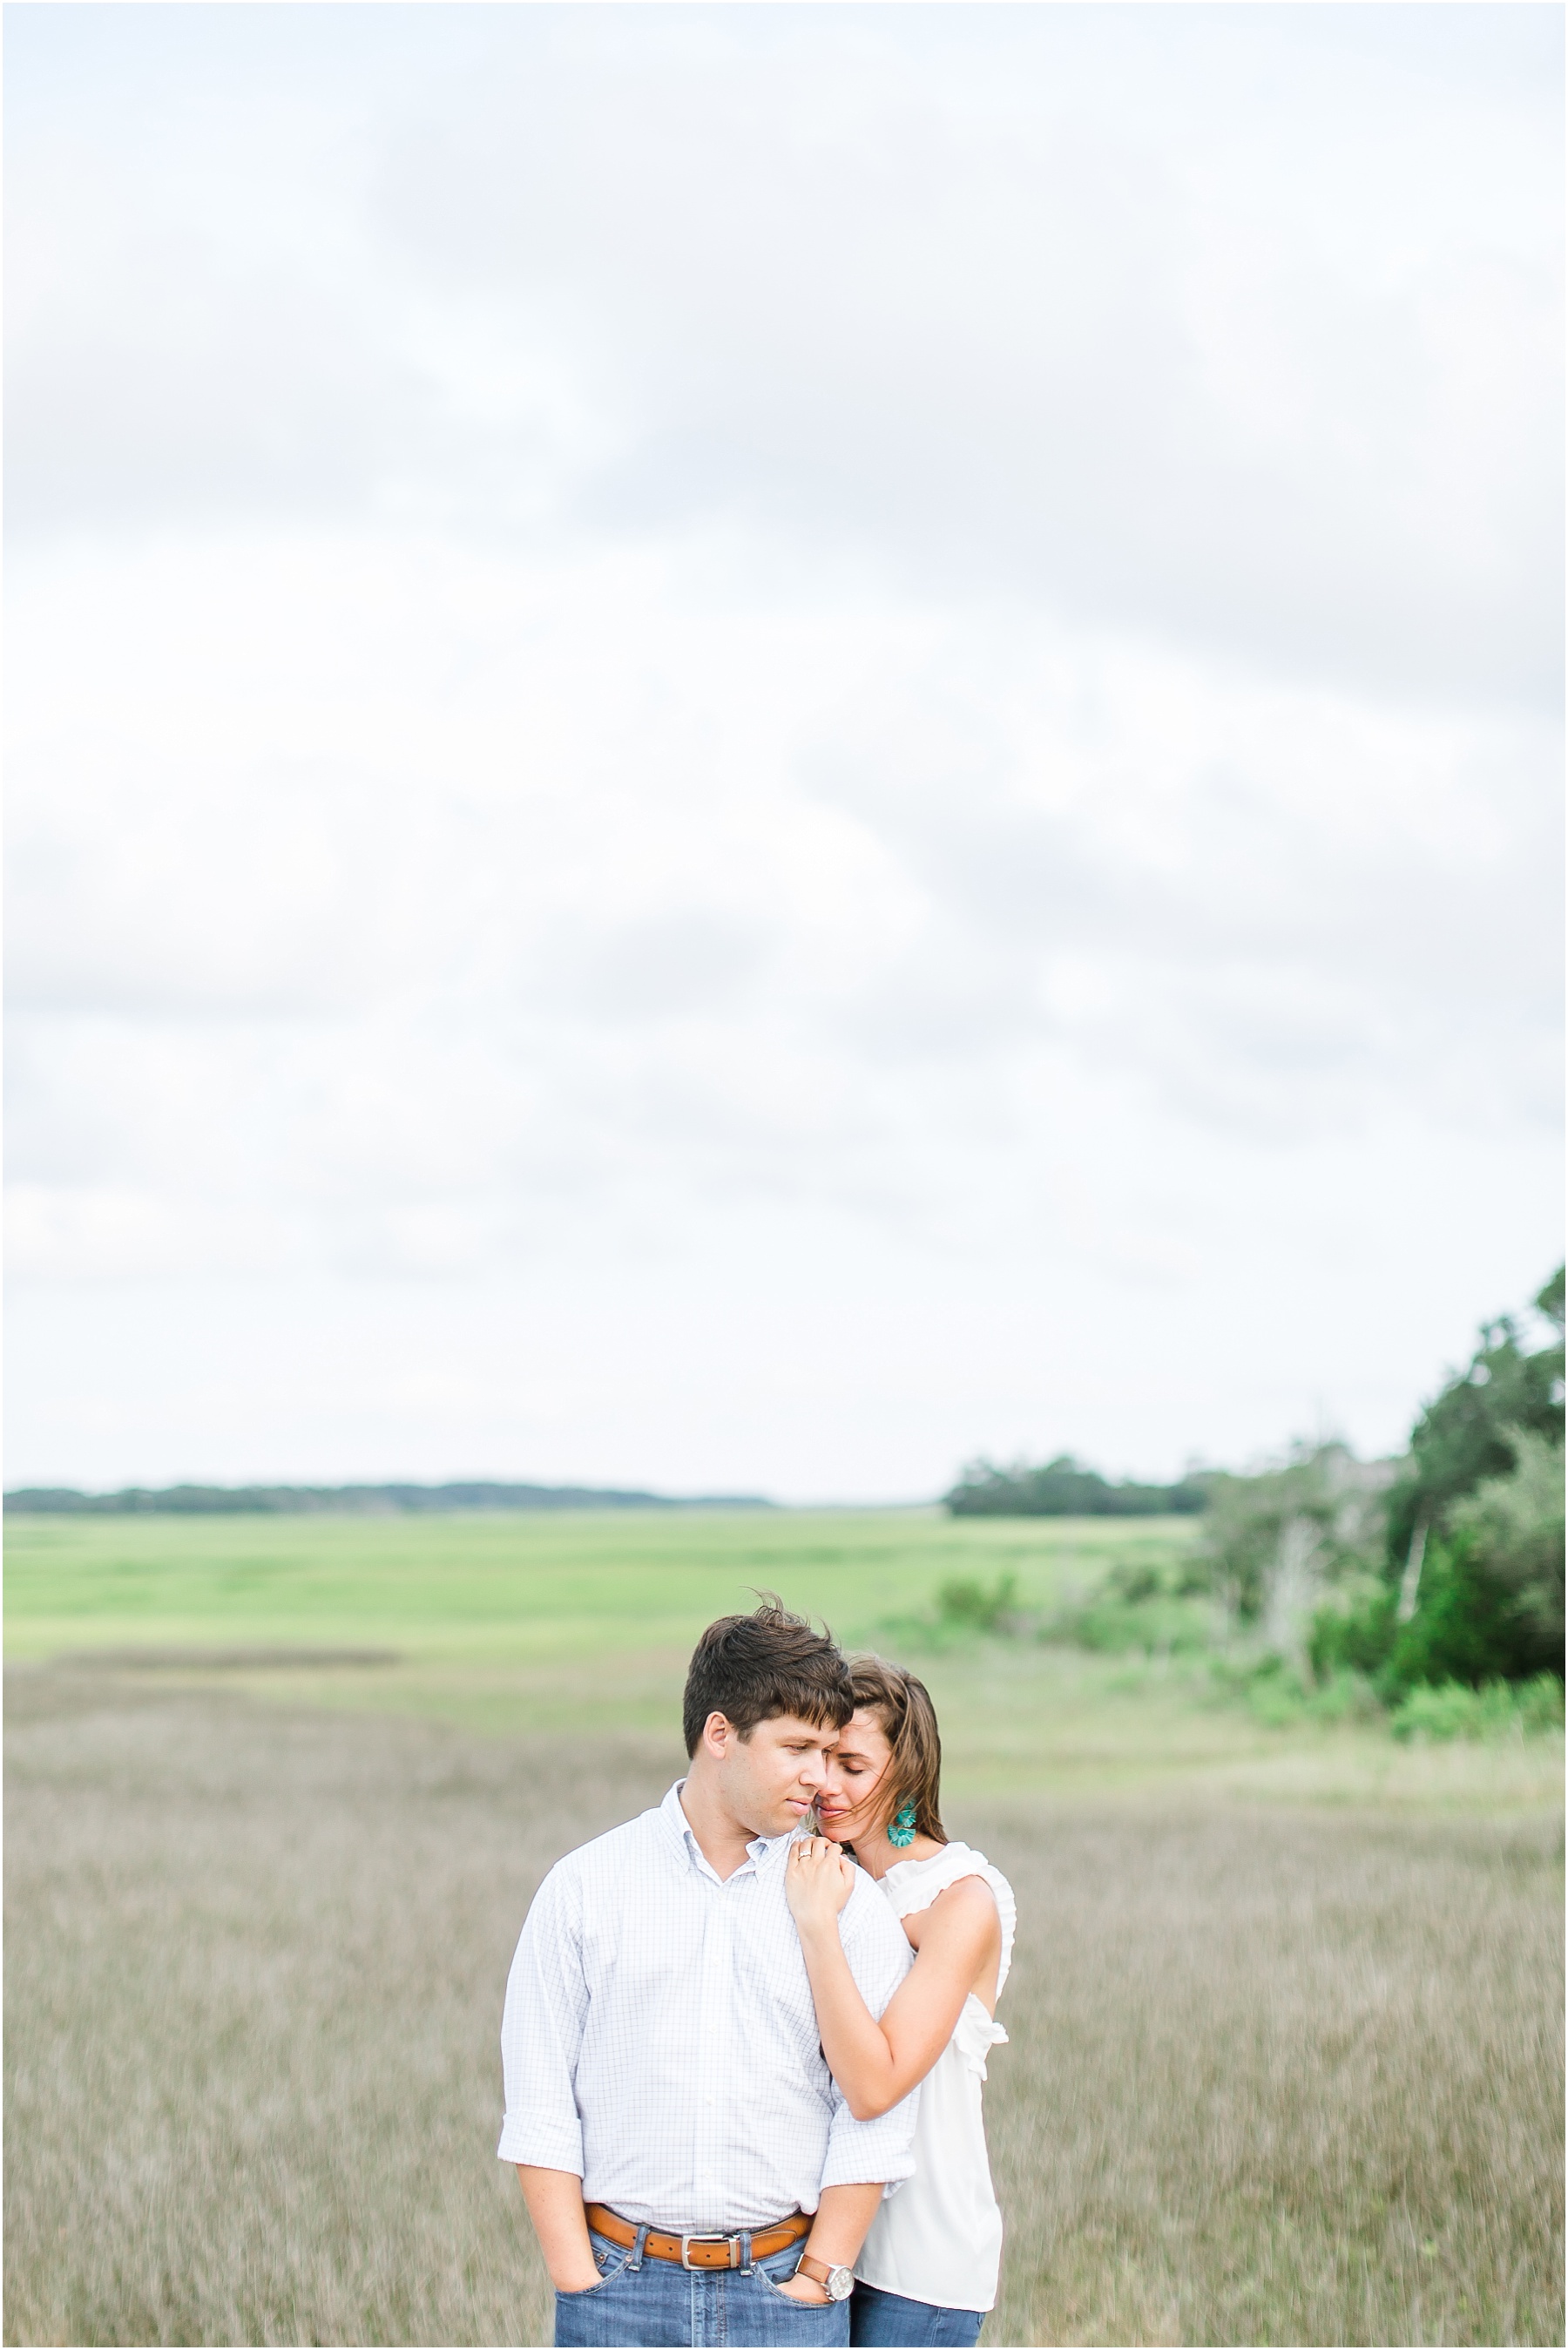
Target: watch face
pixel 840 2284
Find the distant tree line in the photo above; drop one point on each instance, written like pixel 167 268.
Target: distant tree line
pixel 1064 1488
pixel 370 1501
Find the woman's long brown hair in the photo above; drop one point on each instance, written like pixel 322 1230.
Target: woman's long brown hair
pixel 903 1706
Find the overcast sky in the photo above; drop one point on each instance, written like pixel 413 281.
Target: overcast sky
pixel 753 746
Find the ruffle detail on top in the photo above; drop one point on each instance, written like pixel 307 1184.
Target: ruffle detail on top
pixel 975 2035
pixel 912 1884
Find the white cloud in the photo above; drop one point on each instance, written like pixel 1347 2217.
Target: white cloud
pixel 670 690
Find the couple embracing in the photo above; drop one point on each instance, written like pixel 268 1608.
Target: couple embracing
pixel 744 2068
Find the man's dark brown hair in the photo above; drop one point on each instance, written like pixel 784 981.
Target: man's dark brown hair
pixel 752 1669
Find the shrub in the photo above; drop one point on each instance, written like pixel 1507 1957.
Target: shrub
pixel 1447 1709
pixel 1539 1703
pixel 1489 1603
pixel 1148 1606
pixel 1277 1695
pixel 1347 1696
pixel 1515 1524
pixel 1115 1626
pixel 1469 1625
pixel 1133 1580
pixel 1358 1638
pixel 973 1605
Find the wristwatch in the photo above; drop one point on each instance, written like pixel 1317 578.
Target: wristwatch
pixel 836 2283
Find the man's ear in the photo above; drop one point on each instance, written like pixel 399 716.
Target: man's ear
pixel 719 1736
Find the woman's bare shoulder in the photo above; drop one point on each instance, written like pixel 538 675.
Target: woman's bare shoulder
pixel 963 1911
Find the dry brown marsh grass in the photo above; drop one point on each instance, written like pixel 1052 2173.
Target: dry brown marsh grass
pixel 1274 2076
pixel 1284 2078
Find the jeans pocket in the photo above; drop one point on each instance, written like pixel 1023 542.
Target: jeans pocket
pixel 609 2259
pixel 785 2264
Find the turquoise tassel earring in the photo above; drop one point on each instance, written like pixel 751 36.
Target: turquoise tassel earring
pixel 902 1832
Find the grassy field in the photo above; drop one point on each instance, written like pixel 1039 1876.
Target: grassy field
pixel 1285 2025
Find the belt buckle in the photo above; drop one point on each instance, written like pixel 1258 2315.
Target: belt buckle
pixel 718 2237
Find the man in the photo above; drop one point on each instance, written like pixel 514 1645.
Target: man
pixel 691 2170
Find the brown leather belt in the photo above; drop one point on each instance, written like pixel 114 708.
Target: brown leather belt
pixel 699 2252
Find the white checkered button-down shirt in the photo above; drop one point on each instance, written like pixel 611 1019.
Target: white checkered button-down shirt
pixel 659 2038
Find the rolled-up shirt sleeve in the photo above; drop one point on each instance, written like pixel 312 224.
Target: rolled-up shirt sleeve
pixel 880 1958
pixel 542 2031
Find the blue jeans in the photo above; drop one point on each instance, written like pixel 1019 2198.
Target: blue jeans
pixel 888 2319
pixel 640 2300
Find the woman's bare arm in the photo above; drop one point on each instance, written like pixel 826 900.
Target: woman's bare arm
pixel 877 2062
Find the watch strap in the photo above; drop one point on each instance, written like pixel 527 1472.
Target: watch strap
pixel 821 2273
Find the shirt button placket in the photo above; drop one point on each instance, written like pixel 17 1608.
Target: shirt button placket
pixel 712 2014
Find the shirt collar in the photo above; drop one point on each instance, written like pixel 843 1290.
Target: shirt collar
pixel 679 1829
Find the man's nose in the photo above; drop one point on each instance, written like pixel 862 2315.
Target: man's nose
pixel 814 1770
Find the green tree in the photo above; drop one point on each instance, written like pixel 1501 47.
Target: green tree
pixel 1469 1433
pixel 1472 1573
pixel 1063 1488
pixel 1272 1541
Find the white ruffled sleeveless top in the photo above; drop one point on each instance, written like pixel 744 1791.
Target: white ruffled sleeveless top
pixel 939 2238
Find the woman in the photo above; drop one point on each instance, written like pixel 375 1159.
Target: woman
pixel 929 2268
